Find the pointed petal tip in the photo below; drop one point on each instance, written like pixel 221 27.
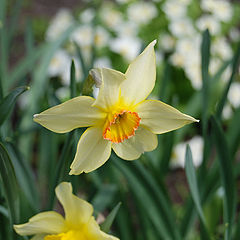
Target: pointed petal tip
pixel 35 116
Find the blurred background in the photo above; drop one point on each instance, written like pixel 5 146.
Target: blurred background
pixel 196 73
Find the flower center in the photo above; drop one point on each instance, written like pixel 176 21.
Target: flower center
pixel 121 126
pixel 70 235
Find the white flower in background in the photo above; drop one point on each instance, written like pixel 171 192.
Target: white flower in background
pixel 87 15
pixel 234 34
pixel 59 24
pixel 193 72
pixel 234 94
pixel 185 2
pixel 67 70
pixel 127 29
pixel 214 66
pixel 222 10
pixel 182 28
pixel 174 9
pixel 83 35
pixel 178 158
pixel 122 1
pixel 166 42
pixel 103 62
pixel 58 63
pixel 177 59
pixel 226 74
pixel 189 47
pixel 222 49
pixel 101 37
pixel 141 12
pixel 227 112
pixel 127 47
pixel 209 22
pixel 208 5
pixel 111 17
pixel 63 93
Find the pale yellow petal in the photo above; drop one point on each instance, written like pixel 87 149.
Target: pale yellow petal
pixel 140 76
pixel 74 113
pixel 38 237
pixel 43 223
pixel 77 211
pixel 159 117
pixel 109 89
pixel 94 232
pixel 92 151
pixel 132 148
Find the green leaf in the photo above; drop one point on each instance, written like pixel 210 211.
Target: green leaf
pixel 192 182
pixel 10 185
pixel 73 80
pixel 8 102
pixel 145 199
pixel 235 66
pixel 4 211
pixel 104 197
pixel 106 225
pixel 226 172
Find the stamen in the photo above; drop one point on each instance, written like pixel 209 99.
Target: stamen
pixel 121 126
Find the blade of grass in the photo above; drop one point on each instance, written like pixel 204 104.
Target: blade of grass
pixel 10 185
pixel 226 171
pixel 106 225
pixel 235 66
pixel 8 102
pixel 3 45
pixel 193 186
pixel 144 198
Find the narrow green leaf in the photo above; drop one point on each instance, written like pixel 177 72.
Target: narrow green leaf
pixel 233 133
pixel 62 167
pixel 10 184
pixel 192 182
pixel 235 67
pixel 73 80
pixel 3 45
pixel 104 197
pixel 4 211
pixel 226 172
pixel 8 102
pixel 144 198
pixel 82 62
pixel 24 176
pixel 106 225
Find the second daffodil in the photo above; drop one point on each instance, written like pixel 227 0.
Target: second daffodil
pixel 119 119
pixel 78 224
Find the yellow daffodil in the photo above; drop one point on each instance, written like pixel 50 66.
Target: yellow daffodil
pixel 79 224
pixel 119 119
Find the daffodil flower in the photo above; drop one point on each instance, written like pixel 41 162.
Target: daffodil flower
pixel 79 224
pixel 119 118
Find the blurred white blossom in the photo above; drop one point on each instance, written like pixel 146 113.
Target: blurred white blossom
pixel 62 20
pixel 166 42
pixel 221 48
pixel 234 94
pixel 142 12
pixel 174 9
pixel 58 63
pixel 87 15
pixel 182 28
pixel 178 158
pixel 127 47
pixel 110 16
pixel 103 62
pixel 209 22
